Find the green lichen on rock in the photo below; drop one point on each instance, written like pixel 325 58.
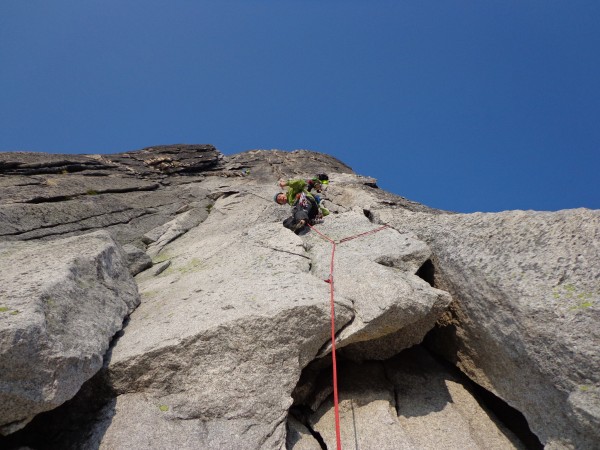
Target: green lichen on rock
pixel 161 258
pixel 12 313
pixel 583 305
pixel 572 294
pixel 149 294
pixel 193 266
pixel 163 408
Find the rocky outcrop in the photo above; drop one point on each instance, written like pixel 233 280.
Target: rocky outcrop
pixel 257 301
pixel 128 194
pixel 169 159
pixel 525 311
pixel 233 330
pixel 60 305
pixel 148 162
pixel 525 319
pixel 392 307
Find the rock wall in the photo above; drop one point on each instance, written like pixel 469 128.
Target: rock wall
pixel 61 302
pixel 234 310
pixel 525 319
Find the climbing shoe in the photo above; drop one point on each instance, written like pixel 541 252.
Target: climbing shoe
pixel 299 226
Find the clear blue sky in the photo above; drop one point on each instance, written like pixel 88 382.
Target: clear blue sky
pixel 461 105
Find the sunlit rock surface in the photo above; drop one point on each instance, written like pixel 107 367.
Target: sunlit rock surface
pixel 61 302
pixel 230 344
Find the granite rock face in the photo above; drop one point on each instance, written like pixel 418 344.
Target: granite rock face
pixel 525 320
pixel 228 345
pixel 60 305
pixel 250 295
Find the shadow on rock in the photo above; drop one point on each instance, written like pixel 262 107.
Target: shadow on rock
pixel 409 401
pixel 79 423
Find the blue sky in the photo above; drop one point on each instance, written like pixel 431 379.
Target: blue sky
pixel 461 105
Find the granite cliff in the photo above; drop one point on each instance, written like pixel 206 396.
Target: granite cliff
pixel 152 299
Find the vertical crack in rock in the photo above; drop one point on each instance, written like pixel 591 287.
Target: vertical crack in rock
pixel 513 419
pixel 301 416
pixel 427 272
pixel 510 417
pixel 317 436
pixel 395 391
pixel 326 348
pixel 271 436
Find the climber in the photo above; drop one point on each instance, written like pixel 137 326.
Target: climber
pixel 319 183
pixel 305 208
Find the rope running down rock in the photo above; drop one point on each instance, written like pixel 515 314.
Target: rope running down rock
pixel 332 300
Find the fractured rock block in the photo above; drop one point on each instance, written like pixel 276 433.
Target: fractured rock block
pixel 60 305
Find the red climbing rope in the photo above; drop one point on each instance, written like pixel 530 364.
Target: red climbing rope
pixel 363 234
pixel 336 408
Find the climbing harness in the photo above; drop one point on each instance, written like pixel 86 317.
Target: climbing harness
pixel 332 299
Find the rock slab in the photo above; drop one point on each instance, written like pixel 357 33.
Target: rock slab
pixel 60 305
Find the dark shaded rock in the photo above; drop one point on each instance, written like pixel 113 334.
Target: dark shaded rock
pixel 137 259
pixel 169 159
pixel 33 163
pixel 78 424
pixel 45 196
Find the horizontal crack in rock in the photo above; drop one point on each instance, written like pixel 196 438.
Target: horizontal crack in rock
pixel 60 198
